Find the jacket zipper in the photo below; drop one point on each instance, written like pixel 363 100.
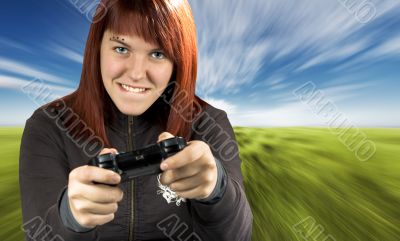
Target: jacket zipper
pixel 132 182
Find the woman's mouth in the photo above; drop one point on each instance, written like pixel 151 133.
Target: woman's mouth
pixel 132 89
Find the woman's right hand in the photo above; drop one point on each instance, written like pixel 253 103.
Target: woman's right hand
pixel 94 204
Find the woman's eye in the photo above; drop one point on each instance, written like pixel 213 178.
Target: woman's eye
pixel 158 55
pixel 121 50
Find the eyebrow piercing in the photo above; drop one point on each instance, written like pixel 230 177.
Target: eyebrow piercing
pixel 113 38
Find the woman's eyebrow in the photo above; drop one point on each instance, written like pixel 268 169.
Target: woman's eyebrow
pixel 120 41
pixel 117 40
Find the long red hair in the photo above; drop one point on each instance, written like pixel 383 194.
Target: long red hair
pixel 170 24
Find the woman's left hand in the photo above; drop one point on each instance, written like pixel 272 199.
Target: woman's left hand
pixel 192 172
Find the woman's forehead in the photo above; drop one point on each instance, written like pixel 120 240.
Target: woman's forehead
pixel 126 37
pixel 129 40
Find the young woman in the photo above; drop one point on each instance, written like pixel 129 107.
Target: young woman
pixel 137 88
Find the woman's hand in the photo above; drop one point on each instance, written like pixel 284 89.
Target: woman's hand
pixel 191 173
pixel 93 204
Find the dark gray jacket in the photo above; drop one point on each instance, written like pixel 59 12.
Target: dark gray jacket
pixel 49 153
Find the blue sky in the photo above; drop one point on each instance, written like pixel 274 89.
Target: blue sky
pixel 253 55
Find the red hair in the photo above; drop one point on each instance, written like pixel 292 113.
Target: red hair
pixel 170 24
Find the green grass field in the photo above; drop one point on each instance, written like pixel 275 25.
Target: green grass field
pixel 302 184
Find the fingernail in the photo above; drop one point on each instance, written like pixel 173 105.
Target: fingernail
pixel 164 166
pixel 115 178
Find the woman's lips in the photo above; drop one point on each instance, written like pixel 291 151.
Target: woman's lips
pixel 132 89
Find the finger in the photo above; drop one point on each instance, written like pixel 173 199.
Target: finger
pixel 190 154
pixel 186 184
pixel 89 174
pixel 164 135
pixel 98 193
pixel 108 150
pixel 171 176
pixel 86 206
pixel 196 193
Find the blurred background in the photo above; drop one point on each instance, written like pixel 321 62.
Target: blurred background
pixel 311 87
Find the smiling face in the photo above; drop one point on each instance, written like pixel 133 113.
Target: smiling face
pixel 134 72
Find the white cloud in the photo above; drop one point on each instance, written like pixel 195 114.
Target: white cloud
pixel 293 114
pixel 300 114
pixel 390 47
pixel 231 51
pixel 379 117
pixel 11 82
pixel 335 54
pixel 238 38
pixel 67 53
pixel 229 108
pixel 275 80
pixel 346 91
pixel 6 42
pixel 19 68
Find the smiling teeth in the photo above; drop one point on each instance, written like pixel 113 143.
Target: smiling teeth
pixel 131 89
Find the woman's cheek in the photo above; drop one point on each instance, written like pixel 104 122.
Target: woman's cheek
pixel 161 75
pixel 112 68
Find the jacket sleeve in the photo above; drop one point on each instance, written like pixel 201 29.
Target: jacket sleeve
pixel 230 218
pixel 43 174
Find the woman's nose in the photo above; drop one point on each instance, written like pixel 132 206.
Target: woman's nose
pixel 137 68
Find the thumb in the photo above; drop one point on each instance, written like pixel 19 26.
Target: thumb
pixel 108 150
pixel 164 135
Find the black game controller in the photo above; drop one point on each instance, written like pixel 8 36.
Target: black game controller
pixel 140 162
